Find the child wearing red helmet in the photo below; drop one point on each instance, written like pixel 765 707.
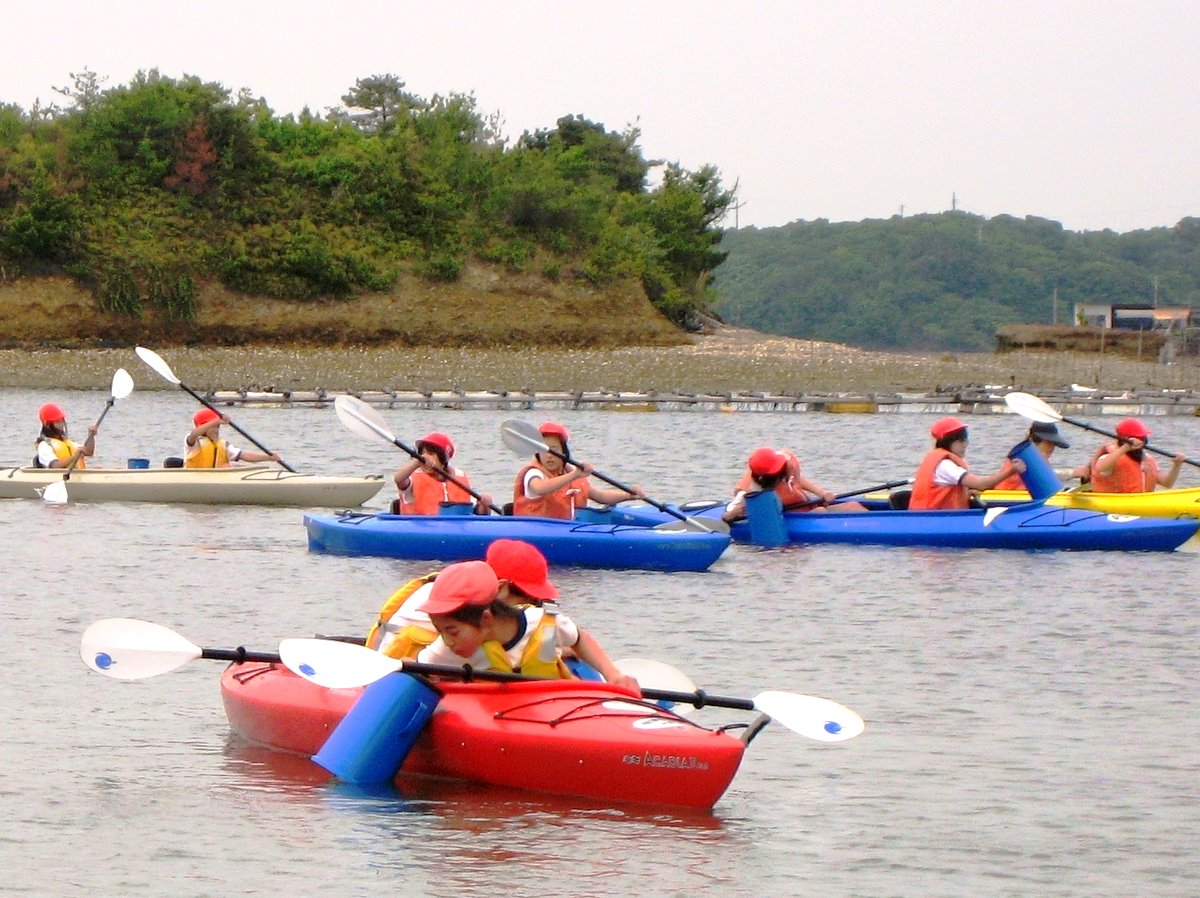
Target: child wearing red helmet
pixel 550 487
pixel 779 470
pixel 1125 466
pixel 942 481
pixel 53 449
pixel 423 485
pixel 204 448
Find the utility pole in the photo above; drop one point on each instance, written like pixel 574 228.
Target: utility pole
pixel 1054 314
pixel 953 202
pixel 1156 291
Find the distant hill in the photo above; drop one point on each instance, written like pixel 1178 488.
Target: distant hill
pixel 945 281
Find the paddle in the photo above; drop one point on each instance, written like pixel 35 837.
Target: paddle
pixel 1029 406
pixel 340 665
pixel 361 418
pixel 129 649
pixel 122 386
pixel 155 361
pixel 520 437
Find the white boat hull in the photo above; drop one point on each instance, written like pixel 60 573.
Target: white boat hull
pixel 247 485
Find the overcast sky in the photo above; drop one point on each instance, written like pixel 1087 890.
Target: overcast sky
pixel 1087 113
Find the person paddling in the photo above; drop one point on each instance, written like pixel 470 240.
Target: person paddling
pixel 1125 467
pixel 942 481
pixel 779 470
pixel 206 449
pixel 53 449
pixel 1046 438
pixel 423 486
pixel 550 487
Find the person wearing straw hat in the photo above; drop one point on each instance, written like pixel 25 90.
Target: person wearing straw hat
pixel 1044 436
pixel 53 448
pixel 1125 467
pixel 204 447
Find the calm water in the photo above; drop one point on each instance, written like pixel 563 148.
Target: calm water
pixel 1032 718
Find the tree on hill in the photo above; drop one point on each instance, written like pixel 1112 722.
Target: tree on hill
pixel 167 181
pixel 944 281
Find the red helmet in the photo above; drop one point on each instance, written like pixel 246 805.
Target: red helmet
pixel 554 429
pixel 438 440
pixel 205 416
pixel 767 462
pixel 49 413
pixel 1132 428
pixel 943 427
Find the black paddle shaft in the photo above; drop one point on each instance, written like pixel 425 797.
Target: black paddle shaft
pixel 466 673
pixel 1147 446
pixel 208 404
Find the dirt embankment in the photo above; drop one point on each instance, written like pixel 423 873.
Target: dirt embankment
pixel 484 308
pixel 488 332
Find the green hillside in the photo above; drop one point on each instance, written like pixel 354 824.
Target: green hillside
pixel 145 192
pixel 946 281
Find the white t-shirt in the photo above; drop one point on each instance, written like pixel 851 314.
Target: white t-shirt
pixel 45 453
pixel 948 473
pixel 567 635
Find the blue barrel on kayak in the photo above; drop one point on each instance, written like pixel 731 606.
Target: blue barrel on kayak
pixel 764 512
pixel 139 463
pixel 456 508
pixel 1039 478
pixel 374 738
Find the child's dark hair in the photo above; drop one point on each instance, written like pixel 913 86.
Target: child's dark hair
pixel 768 481
pixel 471 615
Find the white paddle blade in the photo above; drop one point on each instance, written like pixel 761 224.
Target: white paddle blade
pixel 129 649
pixel 122 384
pixel 55 492
pixel 810 716
pixel 155 361
pixel 361 418
pixel 334 664
pixel 652 674
pixel 521 437
pixel 1029 406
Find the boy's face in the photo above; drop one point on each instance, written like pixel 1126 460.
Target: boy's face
pixel 460 637
pixel 549 460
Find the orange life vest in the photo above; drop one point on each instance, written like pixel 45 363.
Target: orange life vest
pixel 1011 482
pixel 540 657
pixel 1128 476
pixel 786 489
pixel 559 504
pixel 928 495
pixel 428 492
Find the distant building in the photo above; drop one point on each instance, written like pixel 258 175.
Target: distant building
pixel 1133 317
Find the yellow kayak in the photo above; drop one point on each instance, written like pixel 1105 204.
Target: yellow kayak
pixel 1177 503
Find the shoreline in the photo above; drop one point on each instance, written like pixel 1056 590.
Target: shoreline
pixel 729 360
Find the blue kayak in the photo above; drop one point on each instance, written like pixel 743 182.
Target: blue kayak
pixel 1029 526
pixel 596 539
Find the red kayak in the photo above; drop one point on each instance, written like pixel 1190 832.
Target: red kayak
pixel 569 737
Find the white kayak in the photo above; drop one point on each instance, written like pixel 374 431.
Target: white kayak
pixel 245 485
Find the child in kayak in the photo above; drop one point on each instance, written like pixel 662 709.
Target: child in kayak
pixel 943 481
pixel 53 448
pixel 204 447
pixel 779 470
pixel 1124 466
pixel 476 627
pixel 549 487
pixel 424 485
pixel 1046 438
pixel 404 627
